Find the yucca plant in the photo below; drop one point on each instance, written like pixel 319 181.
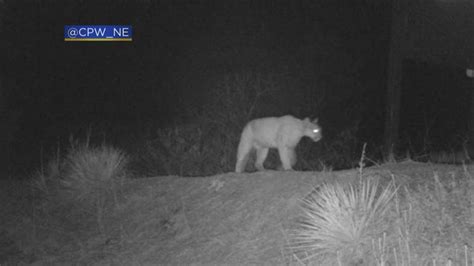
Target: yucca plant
pixel 93 172
pixel 340 222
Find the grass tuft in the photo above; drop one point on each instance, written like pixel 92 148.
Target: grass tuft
pixel 93 173
pixel 340 222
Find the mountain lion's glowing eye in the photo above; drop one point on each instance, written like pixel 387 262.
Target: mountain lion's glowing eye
pixel 315 130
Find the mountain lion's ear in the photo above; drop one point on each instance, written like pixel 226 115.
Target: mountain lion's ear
pixel 306 119
pixel 315 121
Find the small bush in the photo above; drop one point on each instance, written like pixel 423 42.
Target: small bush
pixel 341 221
pixel 187 150
pixel 75 194
pixel 93 173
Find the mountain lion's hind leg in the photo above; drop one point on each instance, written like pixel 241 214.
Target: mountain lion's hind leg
pixel 242 156
pixel 292 156
pixel 285 157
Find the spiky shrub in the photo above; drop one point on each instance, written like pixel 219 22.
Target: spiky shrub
pixel 92 174
pixel 45 182
pixel 340 222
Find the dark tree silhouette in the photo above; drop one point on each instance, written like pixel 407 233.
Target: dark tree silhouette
pixel 395 60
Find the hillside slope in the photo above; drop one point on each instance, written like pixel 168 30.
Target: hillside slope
pixel 224 219
pixel 237 218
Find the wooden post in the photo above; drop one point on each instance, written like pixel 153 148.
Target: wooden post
pixel 394 78
pixel 470 148
pixel 470 74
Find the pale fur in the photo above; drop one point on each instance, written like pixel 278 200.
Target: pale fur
pixel 282 133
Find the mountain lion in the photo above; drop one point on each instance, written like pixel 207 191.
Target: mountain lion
pixel 282 133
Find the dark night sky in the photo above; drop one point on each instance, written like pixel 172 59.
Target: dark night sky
pixel 333 48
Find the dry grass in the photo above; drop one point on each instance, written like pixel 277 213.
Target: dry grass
pixel 435 222
pixel 452 157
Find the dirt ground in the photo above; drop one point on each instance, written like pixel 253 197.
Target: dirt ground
pixel 223 219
